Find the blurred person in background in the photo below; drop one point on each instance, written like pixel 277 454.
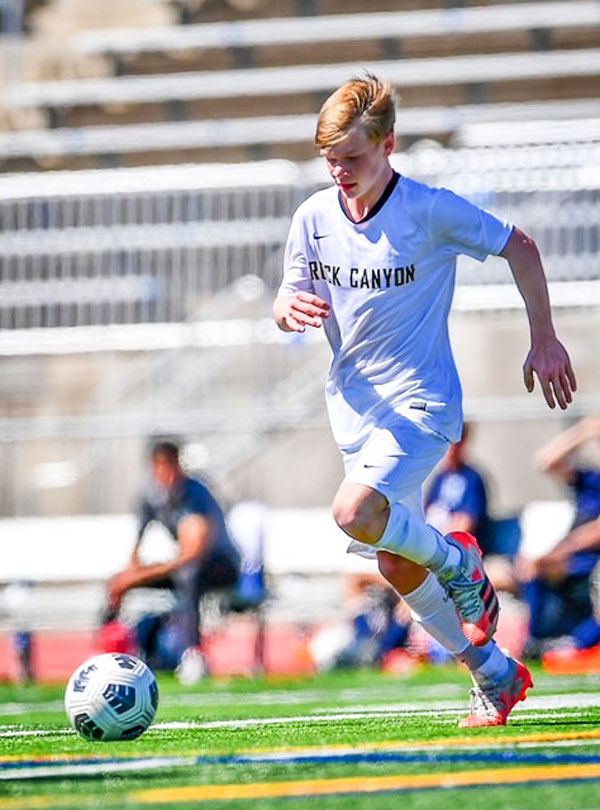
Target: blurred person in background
pixel 558 586
pixel 372 260
pixel 456 500
pixel 380 622
pixel 206 558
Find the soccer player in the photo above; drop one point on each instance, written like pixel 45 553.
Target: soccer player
pixel 372 259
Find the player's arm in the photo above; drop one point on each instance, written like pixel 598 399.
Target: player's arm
pixel 554 456
pixel 195 535
pixel 555 564
pixel 293 313
pixel 145 517
pixel 547 357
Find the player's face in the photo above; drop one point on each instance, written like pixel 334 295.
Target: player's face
pixel 165 471
pixel 359 166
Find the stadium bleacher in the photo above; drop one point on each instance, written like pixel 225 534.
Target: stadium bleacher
pixel 242 138
pixel 458 79
pixel 262 43
pixel 207 111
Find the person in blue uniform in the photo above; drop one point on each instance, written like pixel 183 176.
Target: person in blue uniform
pixel 558 589
pixel 456 500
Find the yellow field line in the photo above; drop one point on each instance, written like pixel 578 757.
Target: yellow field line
pixel 465 741
pixel 321 787
pixel 42 802
pixel 362 784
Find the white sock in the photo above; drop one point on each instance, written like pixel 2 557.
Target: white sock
pixel 407 535
pixel 494 667
pixel 433 610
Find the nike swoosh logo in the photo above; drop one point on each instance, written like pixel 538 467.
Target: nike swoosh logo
pixel 322 236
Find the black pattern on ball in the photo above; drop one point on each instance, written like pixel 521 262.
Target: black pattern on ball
pixel 120 697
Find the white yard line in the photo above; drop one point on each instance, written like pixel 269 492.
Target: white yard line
pixel 579 700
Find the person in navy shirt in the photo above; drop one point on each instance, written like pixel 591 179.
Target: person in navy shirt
pixel 558 586
pixel 206 557
pixel 456 500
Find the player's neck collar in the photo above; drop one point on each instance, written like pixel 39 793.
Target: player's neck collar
pixel 387 192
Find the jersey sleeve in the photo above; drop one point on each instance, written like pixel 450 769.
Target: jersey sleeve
pixel 461 227
pixel 296 275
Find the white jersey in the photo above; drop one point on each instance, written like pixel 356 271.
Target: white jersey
pixel 389 280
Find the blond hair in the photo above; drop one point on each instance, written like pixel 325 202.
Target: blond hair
pixel 367 101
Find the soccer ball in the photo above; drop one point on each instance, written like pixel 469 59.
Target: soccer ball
pixel 112 696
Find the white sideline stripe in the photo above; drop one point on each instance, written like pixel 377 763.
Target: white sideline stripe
pixel 40 732
pixel 147 764
pixel 578 700
pixel 257 82
pixel 270 698
pixel 542 703
pixel 339 27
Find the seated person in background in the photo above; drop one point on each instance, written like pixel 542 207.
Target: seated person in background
pixel 558 586
pixel 207 559
pixel 380 621
pixel 456 500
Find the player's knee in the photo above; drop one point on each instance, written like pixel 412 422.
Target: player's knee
pixel 359 517
pixel 347 516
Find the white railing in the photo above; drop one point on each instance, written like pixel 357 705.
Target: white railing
pixel 156 245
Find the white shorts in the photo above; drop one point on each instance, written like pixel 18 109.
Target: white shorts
pixel 395 462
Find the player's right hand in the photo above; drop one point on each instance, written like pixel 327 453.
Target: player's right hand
pixel 295 312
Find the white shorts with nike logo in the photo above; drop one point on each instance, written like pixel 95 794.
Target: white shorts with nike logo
pixel 394 461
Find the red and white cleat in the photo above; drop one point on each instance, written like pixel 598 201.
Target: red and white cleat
pixel 492 703
pixel 471 591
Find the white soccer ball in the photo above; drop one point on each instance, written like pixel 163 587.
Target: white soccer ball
pixel 112 696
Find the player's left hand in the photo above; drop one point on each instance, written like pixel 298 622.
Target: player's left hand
pixel 550 362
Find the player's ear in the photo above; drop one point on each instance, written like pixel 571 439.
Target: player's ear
pixel 389 143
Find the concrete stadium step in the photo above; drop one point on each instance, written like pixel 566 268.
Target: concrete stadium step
pixel 290 137
pixel 481 78
pixel 203 11
pixel 375 35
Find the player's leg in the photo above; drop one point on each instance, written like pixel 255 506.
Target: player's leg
pixel 499 681
pixel 213 572
pixel 368 506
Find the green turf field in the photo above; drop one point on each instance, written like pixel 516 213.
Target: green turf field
pixel 349 740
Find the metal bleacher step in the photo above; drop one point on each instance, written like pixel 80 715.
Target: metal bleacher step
pixel 457 79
